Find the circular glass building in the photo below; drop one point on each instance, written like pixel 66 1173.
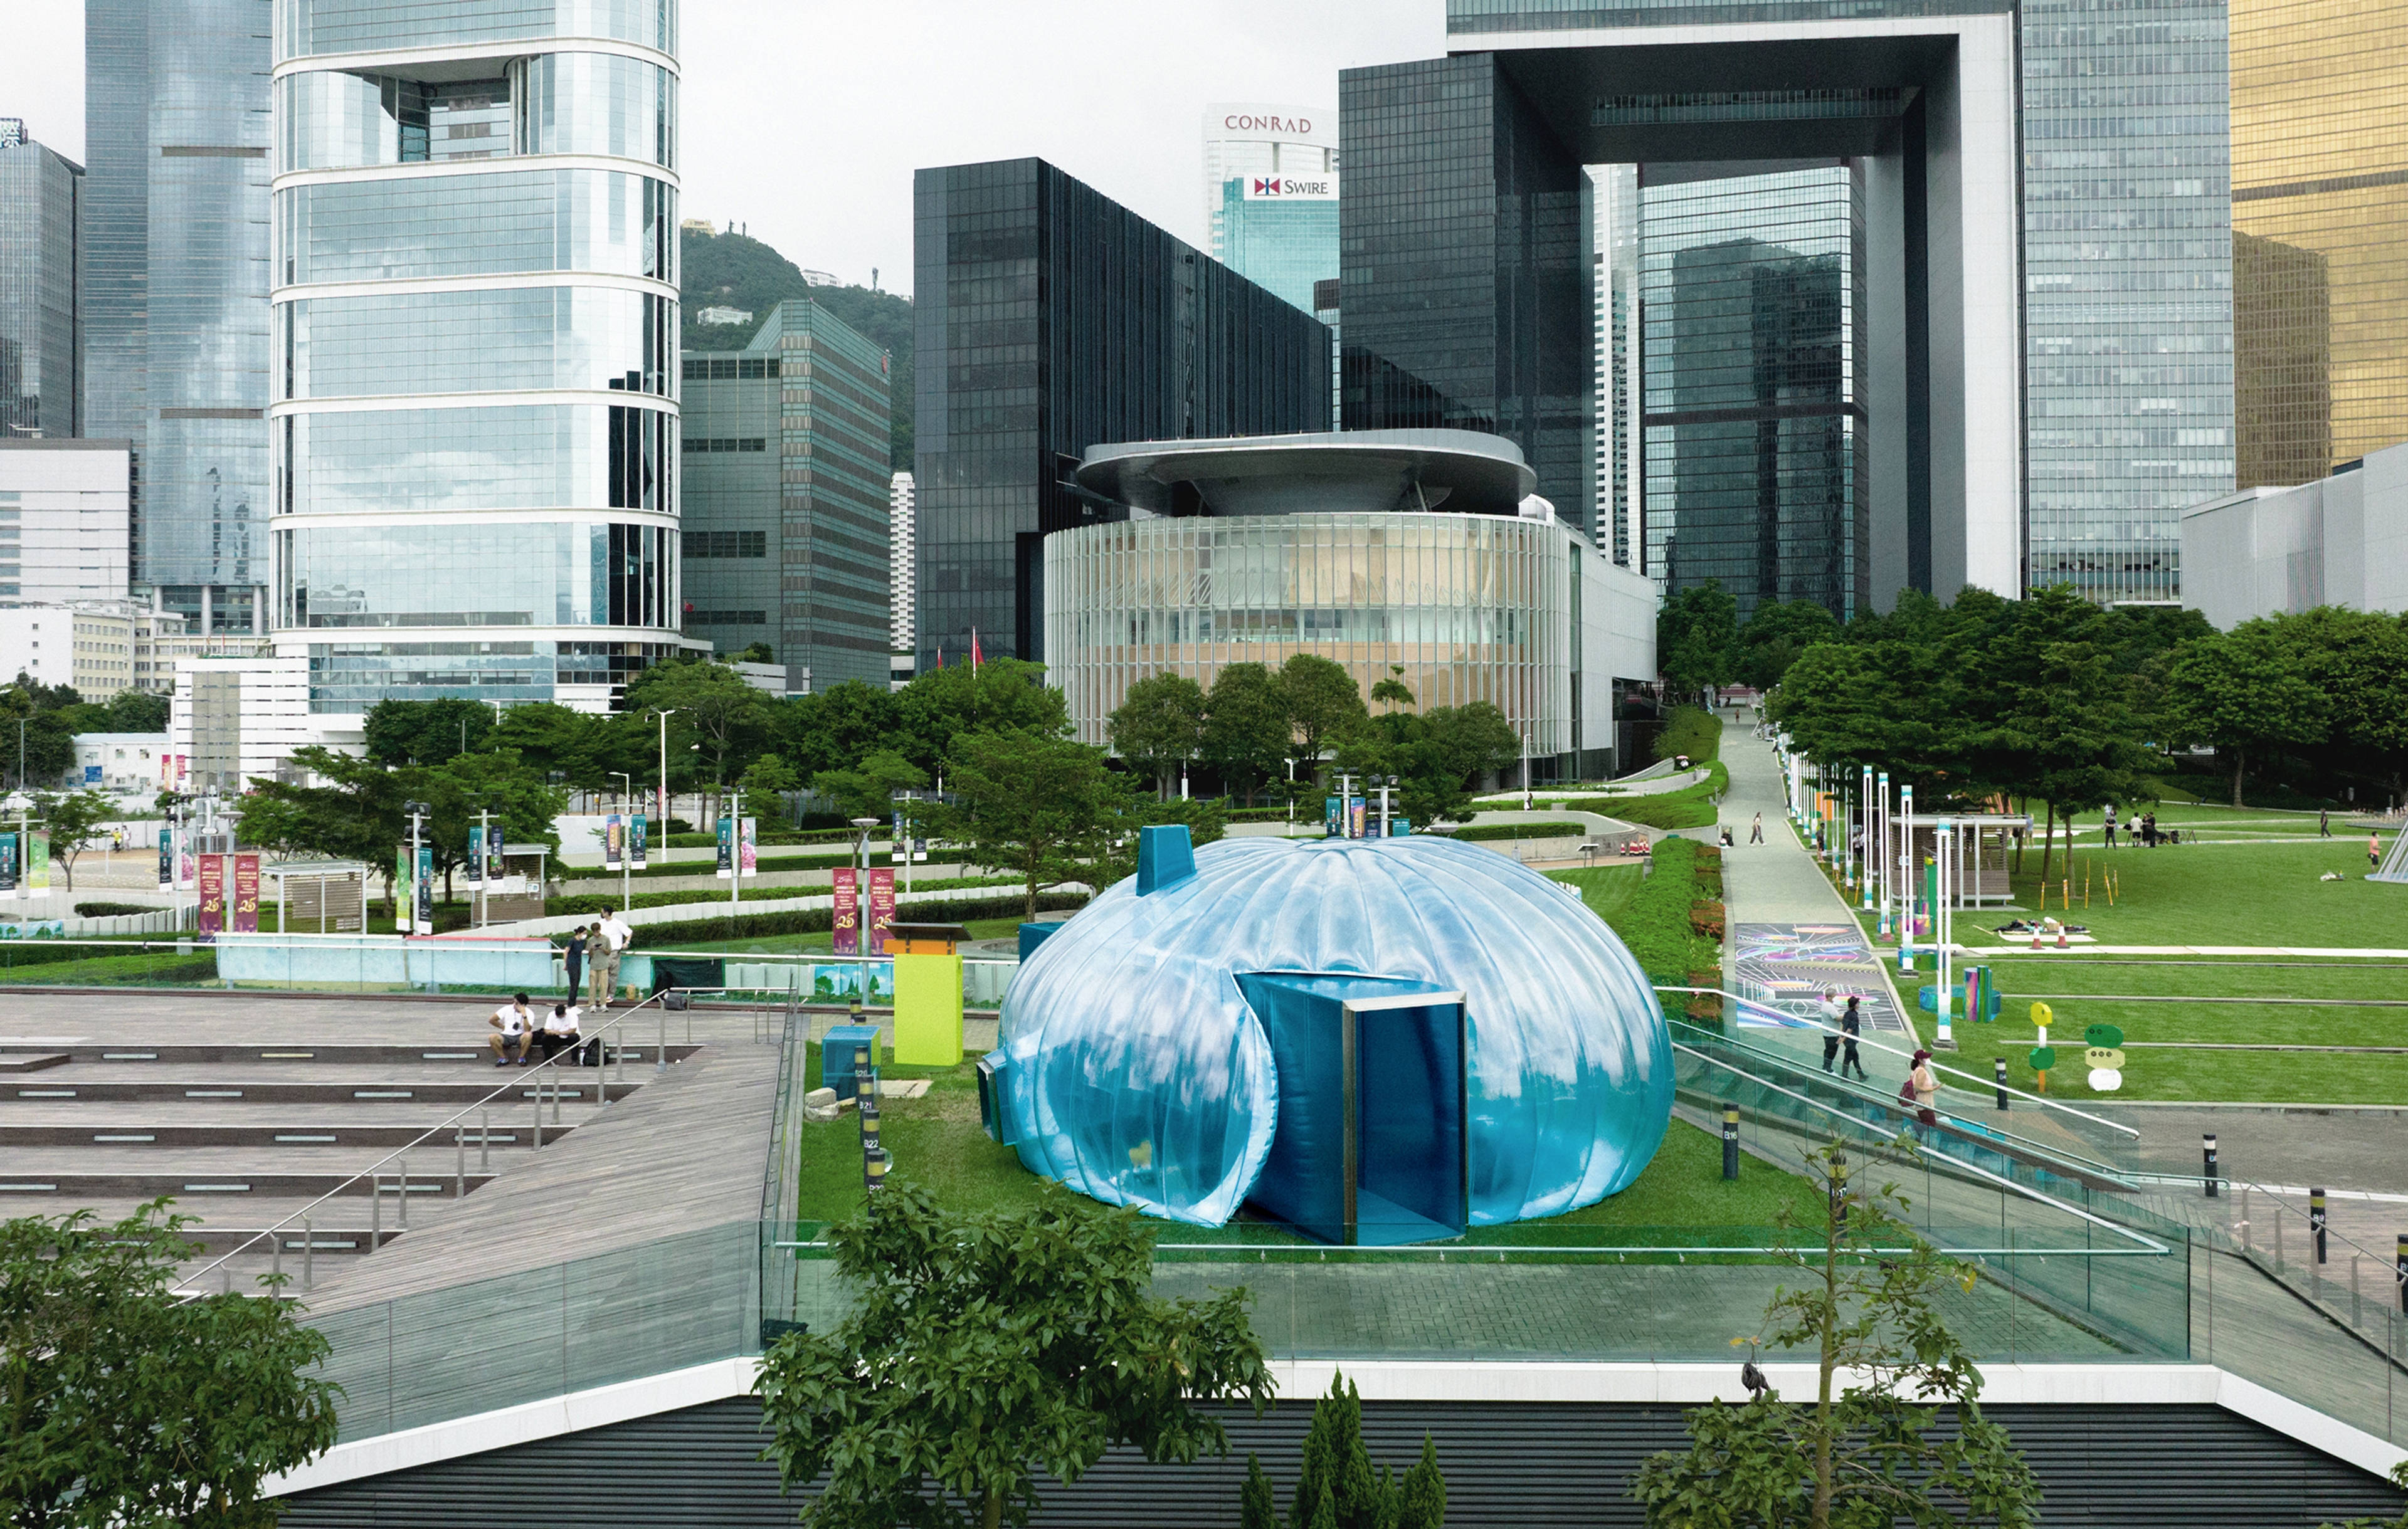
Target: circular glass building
pixel 1372 1041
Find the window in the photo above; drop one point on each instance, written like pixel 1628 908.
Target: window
pixel 727 618
pixel 727 544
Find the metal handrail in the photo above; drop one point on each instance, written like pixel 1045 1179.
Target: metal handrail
pixel 373 1168
pixel 1790 1021
pixel 2024 1189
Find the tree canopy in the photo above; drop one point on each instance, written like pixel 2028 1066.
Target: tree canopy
pixel 986 1350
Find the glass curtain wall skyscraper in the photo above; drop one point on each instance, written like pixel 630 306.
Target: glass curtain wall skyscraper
pixel 476 419
pixel 176 282
pixel 41 346
pixel 1756 473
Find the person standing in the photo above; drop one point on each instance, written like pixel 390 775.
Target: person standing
pixel 2375 850
pixel 613 933
pixel 2107 824
pixel 573 960
pixel 1830 1027
pixel 1852 1026
pixel 1755 830
pixel 2324 824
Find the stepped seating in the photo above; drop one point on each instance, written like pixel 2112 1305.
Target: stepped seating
pixel 243 1113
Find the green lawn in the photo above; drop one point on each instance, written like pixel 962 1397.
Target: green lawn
pixel 2263 895
pixel 938 1142
pixel 1604 889
pixel 2167 1073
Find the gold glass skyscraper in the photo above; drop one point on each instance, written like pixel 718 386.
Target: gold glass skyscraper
pixel 2319 234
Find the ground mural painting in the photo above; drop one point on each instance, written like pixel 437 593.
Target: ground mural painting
pixel 1789 966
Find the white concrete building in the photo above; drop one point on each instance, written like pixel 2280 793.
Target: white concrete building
pixel 90 647
pixel 232 719
pixel 2339 541
pixel 65 530
pixel 126 763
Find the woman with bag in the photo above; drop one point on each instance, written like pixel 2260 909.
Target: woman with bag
pixel 1922 1089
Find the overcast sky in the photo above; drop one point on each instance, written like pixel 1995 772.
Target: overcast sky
pixel 803 122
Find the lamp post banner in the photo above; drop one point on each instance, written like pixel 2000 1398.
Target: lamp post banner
pixel 167 859
pixel 426 888
pixel 37 864
pixel 727 848
pixel 613 847
pixel 635 841
pixel 246 894
pixel 7 867
pixel 212 919
pixel 405 891
pixel 747 847
pixel 882 907
pixel 845 923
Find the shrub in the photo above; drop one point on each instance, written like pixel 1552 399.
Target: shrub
pixel 1554 829
pixel 1692 731
pixel 111 911
pixel 817 920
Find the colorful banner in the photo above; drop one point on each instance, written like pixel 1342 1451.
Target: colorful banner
pixel 847 922
pixel 405 891
pixel 495 867
pixel 1330 807
pixel 7 867
pixel 614 844
pixel 727 848
pixel 635 841
pixel 37 864
pixel 213 909
pixel 246 894
pixel 426 888
pixel 1354 817
pixel 475 865
pixel 167 859
pixel 185 868
pixel 748 848
pixel 881 908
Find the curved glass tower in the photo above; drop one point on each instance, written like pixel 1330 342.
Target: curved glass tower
pixel 475 376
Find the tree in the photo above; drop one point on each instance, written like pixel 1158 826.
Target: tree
pixel 1393 691
pixel 44 749
pixel 1697 637
pixel 1206 818
pixel 2399 1479
pixel 868 792
pixel 1336 1487
pixel 1323 704
pixel 1003 695
pixel 769 779
pixel 714 705
pixel 2242 691
pixel 133 711
pixel 1159 726
pixel 758 652
pixel 123 1404
pixel 984 1350
pixel 425 732
pixel 1033 805
pixel 1246 732
pixel 1776 633
pixel 519 801
pixel 356 815
pixel 836 728
pixel 578 746
pixel 71 817
pixel 1868 1453
pixel 1435 755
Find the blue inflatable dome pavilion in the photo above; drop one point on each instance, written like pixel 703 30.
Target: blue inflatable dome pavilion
pixel 1376 1041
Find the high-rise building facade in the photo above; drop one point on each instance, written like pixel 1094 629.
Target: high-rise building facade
pixel 1048 318
pixel 2044 262
pixel 1271 194
pixel 175 287
pixel 1756 473
pixel 786 493
pixel 2319 232
pixel 475 424
pixel 41 261
pixel 902 628
pixel 62 519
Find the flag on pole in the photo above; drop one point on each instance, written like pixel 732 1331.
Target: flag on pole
pixel 976 657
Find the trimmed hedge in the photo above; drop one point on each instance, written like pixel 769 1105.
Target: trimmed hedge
pixel 818 921
pixel 705 867
pixel 1656 923
pixel 583 902
pixel 111 911
pixel 1552 829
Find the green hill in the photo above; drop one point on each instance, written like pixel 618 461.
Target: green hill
pixel 734 270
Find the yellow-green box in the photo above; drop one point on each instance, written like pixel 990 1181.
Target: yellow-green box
pixel 927 1010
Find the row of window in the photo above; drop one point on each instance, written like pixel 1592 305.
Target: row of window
pixel 727 443
pixel 721 368
pixel 727 618
pixel 727 544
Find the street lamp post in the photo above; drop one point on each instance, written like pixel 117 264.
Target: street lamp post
pixel 734 847
pixel 903 800
pixel 627 845
pixel 417 889
pixel 1291 797
pixel 1385 786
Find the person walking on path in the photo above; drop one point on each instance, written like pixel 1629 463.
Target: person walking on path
pixel 1925 1085
pixel 2107 824
pixel 1852 1025
pixel 1830 1026
pixel 1755 831
pixel 2324 824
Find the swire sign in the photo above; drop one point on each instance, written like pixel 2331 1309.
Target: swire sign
pixel 1263 188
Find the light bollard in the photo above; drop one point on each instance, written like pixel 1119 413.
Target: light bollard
pixel 485 1138
pixel 2207 1162
pixel 2000 1064
pixel 2317 1217
pixel 460 1161
pixel 1730 1142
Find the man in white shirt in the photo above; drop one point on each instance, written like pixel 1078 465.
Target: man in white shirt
pixel 559 1032
pixel 513 1025
pixel 612 934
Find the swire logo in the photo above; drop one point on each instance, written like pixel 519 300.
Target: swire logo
pixel 1266 188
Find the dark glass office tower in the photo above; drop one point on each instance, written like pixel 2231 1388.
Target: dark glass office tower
pixel 1465 275
pixel 1756 472
pixel 1051 318
pixel 176 317
pixel 41 349
pixel 786 498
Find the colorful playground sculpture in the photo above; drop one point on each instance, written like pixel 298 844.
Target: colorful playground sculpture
pixel 1375 1041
